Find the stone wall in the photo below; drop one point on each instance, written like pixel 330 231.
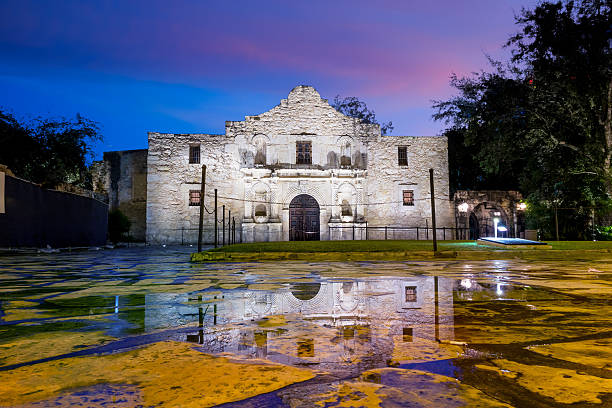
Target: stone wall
pixel 387 180
pixel 170 218
pixel 123 175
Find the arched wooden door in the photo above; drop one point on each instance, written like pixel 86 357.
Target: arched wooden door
pixel 304 220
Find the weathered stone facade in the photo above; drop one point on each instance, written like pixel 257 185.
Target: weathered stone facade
pixel 353 174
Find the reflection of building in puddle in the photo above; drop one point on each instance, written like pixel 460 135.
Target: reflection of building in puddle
pixel 367 321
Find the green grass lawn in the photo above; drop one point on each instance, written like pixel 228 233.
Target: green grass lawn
pixel 348 246
pixel 577 245
pixel 389 246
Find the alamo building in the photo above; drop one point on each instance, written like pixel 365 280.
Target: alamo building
pixel 301 170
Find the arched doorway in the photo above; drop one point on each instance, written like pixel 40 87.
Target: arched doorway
pixel 474 228
pixel 484 214
pixel 304 219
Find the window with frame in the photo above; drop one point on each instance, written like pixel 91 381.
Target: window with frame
pixel 194 154
pixel 408 197
pixel 402 156
pixel 303 153
pixel 411 293
pixel 194 197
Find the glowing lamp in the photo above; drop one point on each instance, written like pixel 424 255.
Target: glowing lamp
pixel 521 206
pixel 502 228
pixel 463 207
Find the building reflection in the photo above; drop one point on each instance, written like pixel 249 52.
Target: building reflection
pixel 329 323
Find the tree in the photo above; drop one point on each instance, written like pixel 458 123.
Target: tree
pixel 49 151
pixel 541 123
pixel 353 107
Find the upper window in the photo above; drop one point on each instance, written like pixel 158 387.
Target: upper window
pixel 194 197
pixel 194 154
pixel 303 153
pixel 411 294
pixel 408 197
pixel 402 155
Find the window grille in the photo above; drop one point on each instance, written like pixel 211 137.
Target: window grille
pixel 194 154
pixel 303 153
pixel 194 197
pixel 408 197
pixel 402 156
pixel 411 294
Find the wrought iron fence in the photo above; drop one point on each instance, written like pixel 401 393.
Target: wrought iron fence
pixel 367 232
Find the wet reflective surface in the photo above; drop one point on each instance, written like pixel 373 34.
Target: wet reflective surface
pixel 144 327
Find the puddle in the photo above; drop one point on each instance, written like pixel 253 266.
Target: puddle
pixel 132 327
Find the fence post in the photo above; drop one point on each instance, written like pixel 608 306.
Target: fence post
pixel 201 223
pixel 229 227
pixel 385 232
pixel 353 231
pixel 366 230
pixel 417 233
pixel 223 223
pixel 444 233
pixel 216 221
pixel 233 230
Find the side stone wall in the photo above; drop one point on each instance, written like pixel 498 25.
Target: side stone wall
pixel 170 218
pixel 123 176
pixel 387 180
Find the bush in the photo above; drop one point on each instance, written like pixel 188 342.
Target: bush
pixel 603 233
pixel 118 225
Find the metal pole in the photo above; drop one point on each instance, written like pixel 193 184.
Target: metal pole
pixel 385 232
pixel 201 224
pixel 216 221
pixel 223 228
pixel 229 227
pixel 353 231
pixel 233 230
pixel 433 210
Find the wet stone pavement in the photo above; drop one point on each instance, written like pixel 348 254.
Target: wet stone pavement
pixel 145 328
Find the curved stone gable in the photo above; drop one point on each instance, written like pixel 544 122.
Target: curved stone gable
pixel 303 112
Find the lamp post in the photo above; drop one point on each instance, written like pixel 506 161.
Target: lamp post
pixel 495 222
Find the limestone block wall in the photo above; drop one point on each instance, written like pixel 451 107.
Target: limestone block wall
pixel 124 176
pixel 387 180
pixel 170 218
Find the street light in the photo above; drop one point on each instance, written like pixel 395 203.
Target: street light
pixel 463 207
